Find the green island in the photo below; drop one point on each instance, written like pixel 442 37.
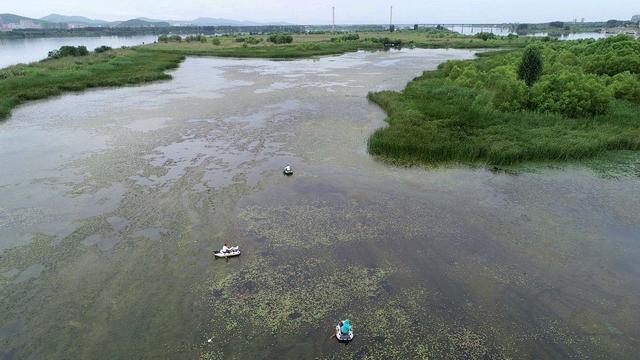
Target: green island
pixel 584 101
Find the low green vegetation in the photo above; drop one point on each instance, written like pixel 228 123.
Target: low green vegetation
pixel 102 49
pixel 326 43
pixel 552 101
pixel 280 38
pixel 61 73
pixel 68 51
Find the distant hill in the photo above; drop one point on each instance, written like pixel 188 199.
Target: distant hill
pixel 206 21
pixel 139 23
pixel 12 21
pixel 153 20
pixel 57 18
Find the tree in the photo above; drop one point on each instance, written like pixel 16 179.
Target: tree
pixel 281 38
pixel 530 67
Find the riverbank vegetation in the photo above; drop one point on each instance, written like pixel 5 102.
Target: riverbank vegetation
pixel 75 69
pixel 54 76
pixel 328 43
pixel 585 101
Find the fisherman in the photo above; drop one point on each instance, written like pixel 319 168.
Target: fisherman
pixel 225 249
pixel 345 327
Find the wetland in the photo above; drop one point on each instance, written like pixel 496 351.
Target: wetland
pixel 112 200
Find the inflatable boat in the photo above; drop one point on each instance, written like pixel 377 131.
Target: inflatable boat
pixel 233 251
pixel 344 336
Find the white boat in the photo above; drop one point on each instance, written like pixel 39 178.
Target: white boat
pixel 341 336
pixel 288 170
pixel 231 252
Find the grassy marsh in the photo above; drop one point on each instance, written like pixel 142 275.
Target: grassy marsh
pixel 51 77
pixel 478 112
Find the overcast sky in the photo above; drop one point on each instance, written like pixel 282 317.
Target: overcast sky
pixel 347 11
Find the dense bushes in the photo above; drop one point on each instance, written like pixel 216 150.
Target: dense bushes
pixel 625 86
pixel 570 93
pixel 347 37
pixel 69 51
pixel 169 38
pixel 281 38
pixel 579 79
pixel 479 110
pixel 103 48
pixel 485 35
pixel 196 38
pixel 249 40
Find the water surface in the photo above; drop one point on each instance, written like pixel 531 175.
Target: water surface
pixel 111 201
pixel 16 51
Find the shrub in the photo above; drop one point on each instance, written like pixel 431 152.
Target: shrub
pixel 485 35
pixel 215 41
pixel 347 37
pixel 200 38
pixel 102 49
pixel 625 86
pixel 612 56
pixel 252 41
pixel 530 67
pixel 573 94
pixel 281 38
pixel 69 51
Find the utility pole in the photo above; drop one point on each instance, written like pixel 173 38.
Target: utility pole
pixel 391 27
pixel 333 28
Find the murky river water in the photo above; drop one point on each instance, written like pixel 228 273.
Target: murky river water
pixel 111 201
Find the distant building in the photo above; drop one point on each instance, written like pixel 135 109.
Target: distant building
pixel 635 18
pixel 22 24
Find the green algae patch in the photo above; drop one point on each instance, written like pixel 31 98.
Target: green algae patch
pixel 310 225
pixel 402 326
pixel 282 298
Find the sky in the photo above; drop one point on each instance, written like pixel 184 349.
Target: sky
pixel 347 11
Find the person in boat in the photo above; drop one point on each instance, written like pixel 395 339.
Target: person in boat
pixel 225 249
pixel 345 327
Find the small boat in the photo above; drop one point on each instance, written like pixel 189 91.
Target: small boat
pixel 288 170
pixel 231 252
pixel 344 336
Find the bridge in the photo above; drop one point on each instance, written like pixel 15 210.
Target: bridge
pixel 474 28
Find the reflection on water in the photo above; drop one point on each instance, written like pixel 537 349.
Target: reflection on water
pixel 15 51
pixel 109 214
